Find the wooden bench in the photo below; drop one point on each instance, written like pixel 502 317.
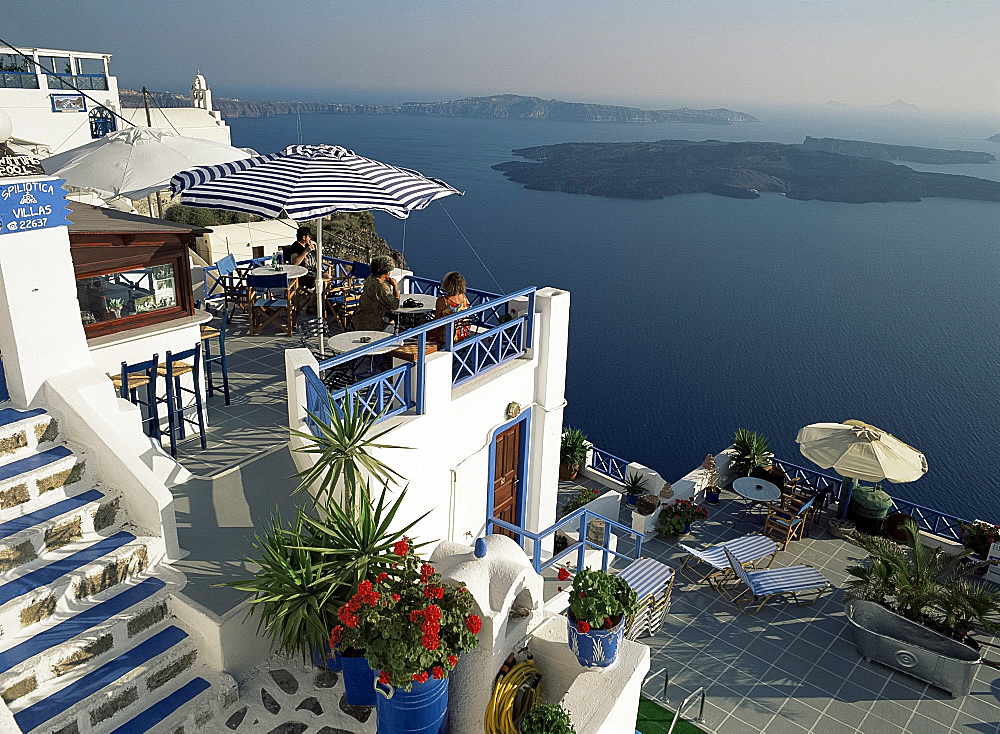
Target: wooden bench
pixel 408 352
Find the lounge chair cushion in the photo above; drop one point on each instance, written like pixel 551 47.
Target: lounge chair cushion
pixel 746 549
pixel 784 580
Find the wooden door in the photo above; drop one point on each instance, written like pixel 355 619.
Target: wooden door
pixel 505 479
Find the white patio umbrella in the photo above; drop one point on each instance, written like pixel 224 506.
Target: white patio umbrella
pixel 136 162
pixel 309 182
pixel 860 451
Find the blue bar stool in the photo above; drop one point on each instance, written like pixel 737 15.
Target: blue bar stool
pixel 172 370
pixel 208 333
pixel 127 384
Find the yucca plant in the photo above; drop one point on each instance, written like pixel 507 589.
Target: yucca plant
pixel 309 570
pixel 753 451
pixel 573 448
pixel 343 452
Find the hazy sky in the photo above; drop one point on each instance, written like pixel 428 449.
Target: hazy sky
pixel 937 55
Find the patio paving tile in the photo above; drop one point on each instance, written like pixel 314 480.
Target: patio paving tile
pixel 878 725
pixel 754 715
pixel 799 712
pixel 920 724
pixel 892 711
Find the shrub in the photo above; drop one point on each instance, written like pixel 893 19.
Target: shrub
pixel 753 451
pixel 674 517
pixel 599 600
pixel 979 536
pixel 547 719
pixel 582 497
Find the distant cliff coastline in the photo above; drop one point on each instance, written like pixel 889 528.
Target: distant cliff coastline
pixel 994 138
pixel 501 106
pixel 741 170
pixel 910 153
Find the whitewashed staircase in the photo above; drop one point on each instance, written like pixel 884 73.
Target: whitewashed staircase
pixel 88 643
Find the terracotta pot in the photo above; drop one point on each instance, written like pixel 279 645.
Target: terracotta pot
pixel 568 471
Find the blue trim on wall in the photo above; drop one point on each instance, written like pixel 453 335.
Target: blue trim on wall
pixel 4 395
pixel 522 470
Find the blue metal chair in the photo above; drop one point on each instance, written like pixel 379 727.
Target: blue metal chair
pixel 270 296
pixel 173 369
pixel 208 333
pixel 127 384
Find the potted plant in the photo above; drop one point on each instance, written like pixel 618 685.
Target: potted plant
pixel 572 453
pixel 582 497
pixel 915 606
pixel 546 718
pixel 599 605
pixel 413 627
pixel 978 536
pixel 751 452
pixel 711 489
pixel 675 520
pixel 644 516
pixel 635 485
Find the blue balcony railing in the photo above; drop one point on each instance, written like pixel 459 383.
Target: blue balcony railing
pixel 317 399
pixel 582 518
pixel 18 80
pixel 608 464
pixel 391 390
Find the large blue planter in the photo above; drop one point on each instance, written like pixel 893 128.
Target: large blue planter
pixel 325 661
pixel 596 648
pixel 422 710
pixel 359 681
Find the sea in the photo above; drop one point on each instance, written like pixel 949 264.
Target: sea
pixel 695 315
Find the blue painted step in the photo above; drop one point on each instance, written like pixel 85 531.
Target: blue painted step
pixel 47 513
pixel 38 713
pixel 34 461
pixel 160 710
pixel 85 620
pixel 12 415
pixel 47 574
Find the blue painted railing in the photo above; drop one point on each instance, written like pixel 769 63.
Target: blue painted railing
pixel 385 394
pixel 18 80
pixel 608 464
pixel 928 520
pixel 417 284
pixel 584 516
pixel 477 355
pixel 317 399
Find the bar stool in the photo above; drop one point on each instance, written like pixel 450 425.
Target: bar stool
pixel 172 370
pixel 207 334
pixel 127 384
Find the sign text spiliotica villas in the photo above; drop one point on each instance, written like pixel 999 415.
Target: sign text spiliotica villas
pixel 28 205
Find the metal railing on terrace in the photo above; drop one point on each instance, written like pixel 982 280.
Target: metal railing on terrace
pixel 18 80
pixel 79 81
pixel 606 463
pixel 584 516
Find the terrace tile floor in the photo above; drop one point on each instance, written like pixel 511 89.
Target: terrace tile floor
pixel 791 669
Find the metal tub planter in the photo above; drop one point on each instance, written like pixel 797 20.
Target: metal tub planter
pixel 888 638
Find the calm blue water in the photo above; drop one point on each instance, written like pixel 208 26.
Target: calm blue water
pixel 696 315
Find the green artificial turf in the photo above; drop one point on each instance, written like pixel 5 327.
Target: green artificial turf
pixel 655 719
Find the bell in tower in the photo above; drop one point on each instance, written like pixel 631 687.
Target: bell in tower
pixel 201 94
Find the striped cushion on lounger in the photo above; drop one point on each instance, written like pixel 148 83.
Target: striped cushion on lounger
pixel 647 577
pixel 783 580
pixel 746 549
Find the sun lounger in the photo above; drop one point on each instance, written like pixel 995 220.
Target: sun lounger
pixel 749 550
pixel 784 582
pixel 652 582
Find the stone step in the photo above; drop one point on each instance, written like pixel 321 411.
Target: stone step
pixel 195 701
pixel 87 514
pixel 38 479
pixel 64 579
pixel 22 430
pixel 65 641
pixel 98 696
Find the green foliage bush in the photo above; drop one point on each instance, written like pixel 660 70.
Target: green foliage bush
pixel 600 599
pixel 547 719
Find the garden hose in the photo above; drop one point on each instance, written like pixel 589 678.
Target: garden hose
pixel 514 695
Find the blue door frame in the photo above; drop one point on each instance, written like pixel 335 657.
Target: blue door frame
pixel 522 467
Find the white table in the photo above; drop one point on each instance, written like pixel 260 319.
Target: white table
pixel 351 340
pixel 756 493
pixel 427 302
pixel 292 271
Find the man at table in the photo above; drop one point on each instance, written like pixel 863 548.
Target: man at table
pixel 302 252
pixel 379 297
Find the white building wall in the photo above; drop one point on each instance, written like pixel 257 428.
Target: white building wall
pixel 240 239
pixel 447 462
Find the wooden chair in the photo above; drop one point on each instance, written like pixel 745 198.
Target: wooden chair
pixel 788 524
pixel 344 297
pixel 237 297
pixel 271 298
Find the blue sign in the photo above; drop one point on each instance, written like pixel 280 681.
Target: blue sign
pixel 29 205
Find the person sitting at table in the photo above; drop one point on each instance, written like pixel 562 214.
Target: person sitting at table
pixel 379 296
pixel 302 252
pixel 451 301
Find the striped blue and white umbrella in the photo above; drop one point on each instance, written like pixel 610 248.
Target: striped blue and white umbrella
pixel 309 182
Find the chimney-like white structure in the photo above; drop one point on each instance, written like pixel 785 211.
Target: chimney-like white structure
pixel 201 94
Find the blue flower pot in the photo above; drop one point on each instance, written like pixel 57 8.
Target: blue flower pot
pixel 596 648
pixel 325 661
pixel 422 710
pixel 359 681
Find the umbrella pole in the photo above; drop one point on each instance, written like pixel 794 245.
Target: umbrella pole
pixel 847 500
pixel 319 287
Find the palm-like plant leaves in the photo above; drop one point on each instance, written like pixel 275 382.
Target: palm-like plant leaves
pixel 342 451
pixel 752 451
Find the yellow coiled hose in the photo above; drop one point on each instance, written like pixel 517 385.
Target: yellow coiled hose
pixel 506 707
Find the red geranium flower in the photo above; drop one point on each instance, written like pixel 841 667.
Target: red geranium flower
pixel 452 660
pixel 420 677
pixel 383 677
pixel 382 577
pixel 438 672
pixel 474 623
pixel 335 634
pixel 426 571
pixel 583 627
pixel 607 623
pixel 396 597
pixel 563 574
pixel 400 547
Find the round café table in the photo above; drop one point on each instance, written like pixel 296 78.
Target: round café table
pixel 292 271
pixel 351 340
pixel 427 303
pixel 756 494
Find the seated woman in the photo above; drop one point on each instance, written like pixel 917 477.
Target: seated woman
pixel 379 297
pixel 451 301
